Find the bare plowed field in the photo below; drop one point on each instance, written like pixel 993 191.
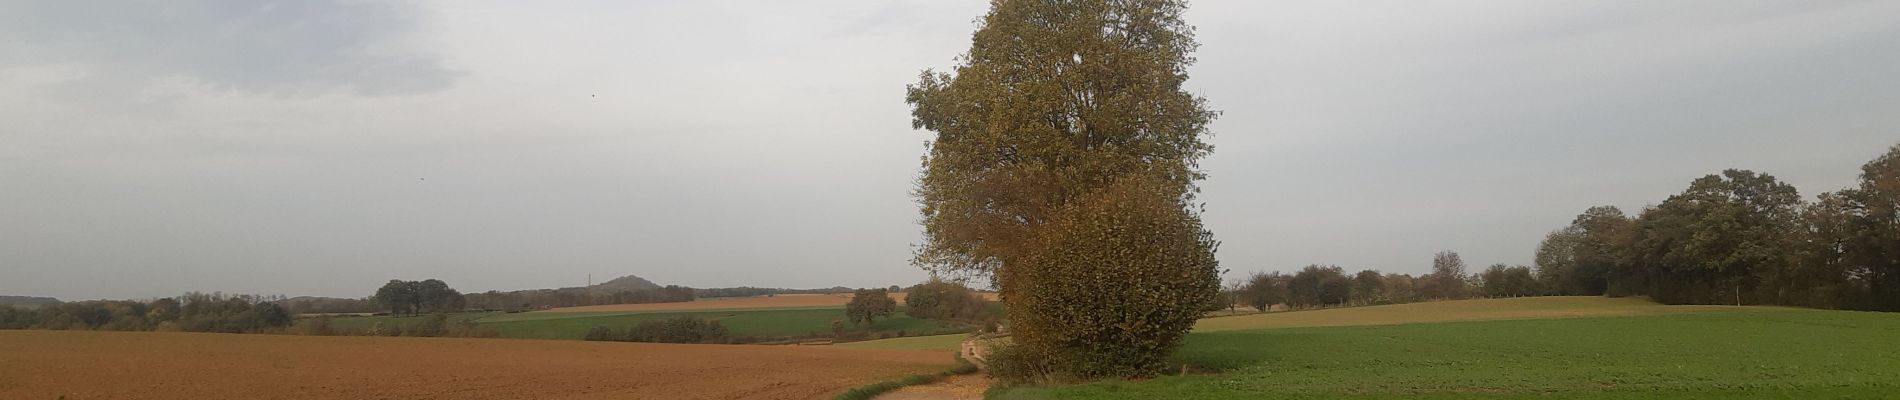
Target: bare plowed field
pixel 147 365
pixel 779 301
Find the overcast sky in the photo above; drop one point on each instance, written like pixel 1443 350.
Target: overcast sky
pixel 319 147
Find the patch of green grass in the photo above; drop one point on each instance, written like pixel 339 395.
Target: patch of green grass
pixel 1456 310
pixel 1755 353
pixel 546 315
pixel 363 323
pixel 765 323
pixel 939 342
pixel 867 392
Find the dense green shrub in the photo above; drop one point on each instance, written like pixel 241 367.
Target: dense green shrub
pixel 1117 280
pixel 944 300
pixel 602 334
pixel 431 326
pixel 682 329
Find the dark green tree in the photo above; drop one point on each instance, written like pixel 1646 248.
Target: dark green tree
pixel 399 297
pixel 943 300
pixel 867 305
pixel 1264 289
pixel 1318 285
pixel 1709 244
pixel 1448 279
pixel 1507 281
pixel 1850 247
pixel 1368 287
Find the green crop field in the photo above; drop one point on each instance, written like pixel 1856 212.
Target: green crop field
pixel 1670 353
pixel 364 323
pixel 1456 310
pixel 937 342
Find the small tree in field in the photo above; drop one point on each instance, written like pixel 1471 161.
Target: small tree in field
pixel 868 304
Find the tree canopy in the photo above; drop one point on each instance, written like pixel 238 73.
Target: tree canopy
pixel 419 297
pixel 1061 115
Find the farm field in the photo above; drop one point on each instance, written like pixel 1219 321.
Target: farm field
pixel 1645 351
pixel 740 303
pixel 763 322
pixel 1457 310
pixel 1437 311
pixel 758 322
pixel 364 323
pixel 150 365
pixel 934 342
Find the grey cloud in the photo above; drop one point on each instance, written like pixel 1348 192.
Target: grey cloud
pixel 721 143
pixel 275 47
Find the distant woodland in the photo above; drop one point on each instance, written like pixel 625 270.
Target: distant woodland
pixel 1738 237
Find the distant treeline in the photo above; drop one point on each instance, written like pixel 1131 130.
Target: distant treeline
pixel 1739 237
pixel 434 296
pixel 1328 285
pixel 1742 238
pixel 748 291
pixel 330 305
pixel 574 297
pixel 27 301
pixel 192 312
pixel 436 325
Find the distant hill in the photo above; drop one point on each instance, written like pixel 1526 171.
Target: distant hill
pixel 27 301
pixel 629 282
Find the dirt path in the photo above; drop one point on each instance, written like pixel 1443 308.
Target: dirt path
pixel 960 387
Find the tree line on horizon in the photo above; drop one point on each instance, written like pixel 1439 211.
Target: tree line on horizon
pixel 191 312
pixel 427 296
pixel 1741 237
pixel 1329 285
pixel 1738 237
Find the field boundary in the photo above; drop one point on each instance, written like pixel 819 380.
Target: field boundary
pixel 867 392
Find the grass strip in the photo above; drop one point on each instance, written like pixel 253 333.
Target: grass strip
pixel 866 392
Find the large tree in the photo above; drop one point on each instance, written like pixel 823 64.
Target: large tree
pixel 1318 285
pixel 1061 108
pixel 1368 287
pixel 1714 242
pixel 1264 289
pixel 1581 258
pixel 944 300
pixel 1508 281
pixel 398 296
pixel 417 297
pixel 1448 279
pixel 1556 257
pixel 1603 236
pixel 868 304
pixel 1857 234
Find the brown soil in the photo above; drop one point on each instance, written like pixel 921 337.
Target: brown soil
pixel 150 365
pixel 779 301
